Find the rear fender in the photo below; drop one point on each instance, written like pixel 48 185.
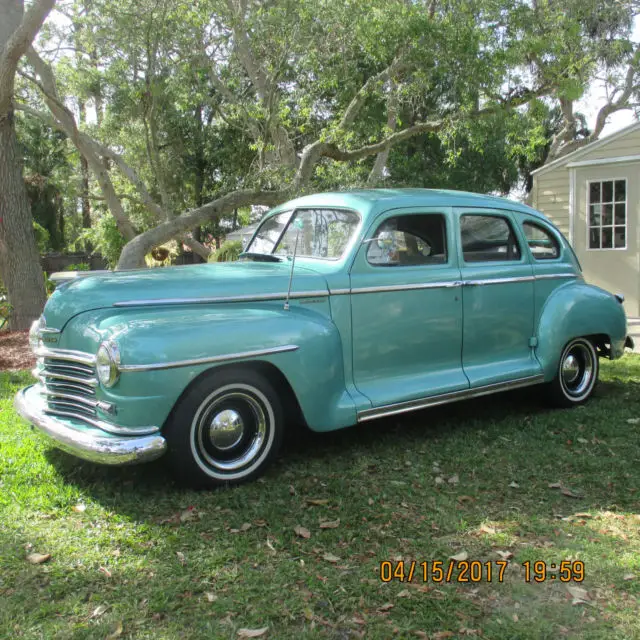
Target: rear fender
pixel 573 310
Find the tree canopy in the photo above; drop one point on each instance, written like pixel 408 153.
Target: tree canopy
pixel 184 112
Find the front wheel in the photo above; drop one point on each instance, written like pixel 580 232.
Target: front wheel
pixel 577 374
pixel 225 430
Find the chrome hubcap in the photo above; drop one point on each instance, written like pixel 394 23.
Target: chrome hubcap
pixel 570 369
pixel 231 428
pixel 226 430
pixel 577 370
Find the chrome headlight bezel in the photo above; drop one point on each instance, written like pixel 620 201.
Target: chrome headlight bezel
pixel 34 333
pixel 108 363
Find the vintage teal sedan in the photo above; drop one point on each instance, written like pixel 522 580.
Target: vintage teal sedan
pixel 344 307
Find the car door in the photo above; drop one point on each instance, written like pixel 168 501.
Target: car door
pixel 406 308
pixel 498 298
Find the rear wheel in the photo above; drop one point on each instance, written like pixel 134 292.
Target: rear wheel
pixel 577 374
pixel 225 430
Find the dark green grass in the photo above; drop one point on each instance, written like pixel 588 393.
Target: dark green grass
pixel 124 566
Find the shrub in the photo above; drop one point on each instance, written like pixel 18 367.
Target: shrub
pixel 80 266
pixel 228 252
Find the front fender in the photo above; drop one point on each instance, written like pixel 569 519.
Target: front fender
pixel 163 337
pixel 573 310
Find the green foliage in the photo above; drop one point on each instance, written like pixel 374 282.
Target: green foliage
pixel 228 252
pixel 106 239
pixel 80 266
pixel 42 238
pixel 5 311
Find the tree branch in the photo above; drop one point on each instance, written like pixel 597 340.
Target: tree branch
pixel 136 249
pixel 563 143
pixel 16 45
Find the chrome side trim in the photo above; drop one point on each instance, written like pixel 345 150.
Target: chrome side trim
pixel 482 282
pixel 66 354
pixel 43 375
pixel 103 449
pixel 46 330
pixel 433 401
pixel 261 297
pixel 409 287
pixel 229 357
pixel 340 292
pixel 553 276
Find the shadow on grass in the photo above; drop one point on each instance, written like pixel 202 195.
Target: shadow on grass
pixel 128 489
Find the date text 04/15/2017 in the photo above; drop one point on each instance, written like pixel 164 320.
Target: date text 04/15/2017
pixel 478 571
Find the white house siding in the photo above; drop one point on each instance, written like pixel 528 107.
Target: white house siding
pixel 616 270
pixel 551 196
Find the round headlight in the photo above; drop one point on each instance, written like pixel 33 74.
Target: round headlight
pixel 108 364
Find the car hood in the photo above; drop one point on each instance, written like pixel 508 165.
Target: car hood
pixel 167 285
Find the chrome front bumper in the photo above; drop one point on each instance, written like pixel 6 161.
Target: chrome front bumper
pixel 88 443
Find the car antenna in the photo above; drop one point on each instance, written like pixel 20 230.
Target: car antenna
pixel 298 224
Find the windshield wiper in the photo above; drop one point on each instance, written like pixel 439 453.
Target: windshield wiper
pixel 259 257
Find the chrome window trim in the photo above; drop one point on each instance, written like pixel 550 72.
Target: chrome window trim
pixel 432 401
pixel 229 357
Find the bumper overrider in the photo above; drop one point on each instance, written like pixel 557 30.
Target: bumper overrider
pixel 87 441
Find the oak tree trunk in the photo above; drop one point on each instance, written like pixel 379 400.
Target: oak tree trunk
pixel 20 267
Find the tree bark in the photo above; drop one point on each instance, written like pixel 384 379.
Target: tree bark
pixel 84 172
pixel 19 260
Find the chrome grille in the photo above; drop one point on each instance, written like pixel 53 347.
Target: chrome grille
pixel 68 382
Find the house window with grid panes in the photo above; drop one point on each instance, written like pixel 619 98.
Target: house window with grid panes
pixel 607 223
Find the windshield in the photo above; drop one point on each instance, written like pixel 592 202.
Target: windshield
pixel 323 233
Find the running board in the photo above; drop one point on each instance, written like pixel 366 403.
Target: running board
pixel 434 401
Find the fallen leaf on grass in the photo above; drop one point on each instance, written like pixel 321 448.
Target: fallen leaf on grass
pixel 485 528
pixel 316 502
pixel 567 492
pixel 302 532
pixel 628 576
pixel 386 607
pixel 181 558
pixel 582 440
pixel 633 421
pixel 189 514
pixel 464 499
pixel 405 593
pixel 439 480
pixel 441 635
pixel 211 597
pixel 38 558
pixel 579 595
pixel 330 524
pixel 454 479
pixel 514 485
pixel 329 557
pixel 105 571
pixel 117 632
pixel 505 555
pixel 79 508
pixel 555 485
pixel 99 610
pixel 460 557
pixel 252 633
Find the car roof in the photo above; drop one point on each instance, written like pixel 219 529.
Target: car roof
pixel 370 202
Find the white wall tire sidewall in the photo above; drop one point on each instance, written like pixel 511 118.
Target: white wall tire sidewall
pixel 265 450
pixel 594 377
